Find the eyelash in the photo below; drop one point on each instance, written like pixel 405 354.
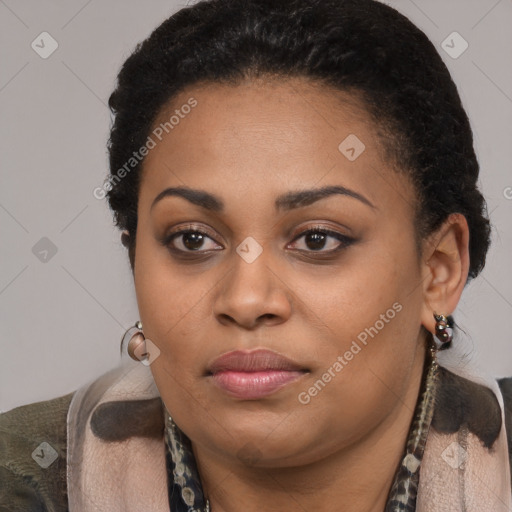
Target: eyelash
pixel 344 240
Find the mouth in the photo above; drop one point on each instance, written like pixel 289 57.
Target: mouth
pixel 251 375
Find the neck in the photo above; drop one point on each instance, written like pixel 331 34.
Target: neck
pixel 359 476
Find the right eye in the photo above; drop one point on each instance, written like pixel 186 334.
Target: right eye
pixel 190 241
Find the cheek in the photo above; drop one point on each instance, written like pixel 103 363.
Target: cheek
pixel 169 301
pixel 372 312
pixel 361 292
pixel 174 309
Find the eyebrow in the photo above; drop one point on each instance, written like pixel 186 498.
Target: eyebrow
pixel 285 202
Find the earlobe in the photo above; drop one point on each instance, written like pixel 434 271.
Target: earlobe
pixel 445 268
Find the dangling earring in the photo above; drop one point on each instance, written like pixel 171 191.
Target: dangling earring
pixel 444 330
pixel 137 344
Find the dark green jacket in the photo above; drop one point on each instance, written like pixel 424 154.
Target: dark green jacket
pixel 24 484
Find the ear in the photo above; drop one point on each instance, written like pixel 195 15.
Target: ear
pixel 445 267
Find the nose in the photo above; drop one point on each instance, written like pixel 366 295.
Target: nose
pixel 252 294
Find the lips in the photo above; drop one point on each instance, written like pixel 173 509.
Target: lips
pixel 251 375
pixel 253 361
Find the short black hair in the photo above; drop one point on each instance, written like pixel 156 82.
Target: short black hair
pixel 362 47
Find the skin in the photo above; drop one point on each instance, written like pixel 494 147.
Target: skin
pixel 248 144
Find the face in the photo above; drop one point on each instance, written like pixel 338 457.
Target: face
pixel 284 241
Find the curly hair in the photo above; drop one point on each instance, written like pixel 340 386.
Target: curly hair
pixel 362 47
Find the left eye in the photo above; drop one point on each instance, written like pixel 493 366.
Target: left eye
pixel 322 240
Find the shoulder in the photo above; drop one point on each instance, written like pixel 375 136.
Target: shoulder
pixel 33 442
pixel 506 390
pixel 460 401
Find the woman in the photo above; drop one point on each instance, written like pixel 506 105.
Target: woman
pixel 297 192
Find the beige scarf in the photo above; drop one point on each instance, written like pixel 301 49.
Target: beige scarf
pixel 458 474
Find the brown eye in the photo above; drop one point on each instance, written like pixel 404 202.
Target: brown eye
pixel 321 240
pixel 191 241
pixel 315 240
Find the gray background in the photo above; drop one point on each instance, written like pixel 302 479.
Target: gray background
pixel 62 319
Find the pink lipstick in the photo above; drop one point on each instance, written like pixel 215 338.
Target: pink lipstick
pixel 251 375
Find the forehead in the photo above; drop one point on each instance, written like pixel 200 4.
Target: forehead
pixel 260 138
